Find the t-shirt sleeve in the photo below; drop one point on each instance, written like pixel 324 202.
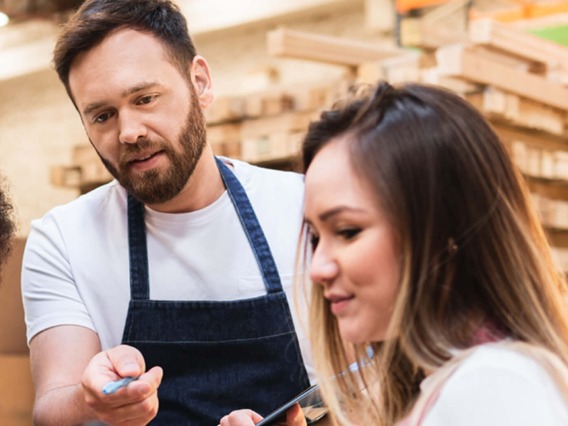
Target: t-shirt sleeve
pixel 49 292
pixel 520 395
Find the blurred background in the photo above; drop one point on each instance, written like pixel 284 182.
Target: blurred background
pixel 275 65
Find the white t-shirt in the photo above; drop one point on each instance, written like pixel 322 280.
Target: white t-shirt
pixel 76 264
pixel 501 387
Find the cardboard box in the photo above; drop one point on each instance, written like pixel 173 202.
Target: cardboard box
pixel 12 326
pixel 16 390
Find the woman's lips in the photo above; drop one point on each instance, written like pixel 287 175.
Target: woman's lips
pixel 338 304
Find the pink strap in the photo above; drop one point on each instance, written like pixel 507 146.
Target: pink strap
pixel 487 333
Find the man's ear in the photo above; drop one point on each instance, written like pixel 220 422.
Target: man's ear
pixel 201 80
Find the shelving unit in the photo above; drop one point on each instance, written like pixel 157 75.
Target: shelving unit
pixel 517 80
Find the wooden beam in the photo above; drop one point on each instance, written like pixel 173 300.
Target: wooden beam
pixel 541 22
pixel 464 62
pixel 287 43
pixel 522 112
pixel 404 6
pixel 379 15
pixel 518 42
pixel 217 16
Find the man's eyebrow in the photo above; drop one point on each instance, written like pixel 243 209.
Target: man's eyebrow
pixel 92 107
pixel 139 87
pixel 134 89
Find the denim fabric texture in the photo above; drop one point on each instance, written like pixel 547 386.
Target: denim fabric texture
pixel 217 356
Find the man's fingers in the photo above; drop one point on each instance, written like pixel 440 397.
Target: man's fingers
pixel 126 360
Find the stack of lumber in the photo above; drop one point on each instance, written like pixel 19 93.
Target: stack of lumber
pixel 520 83
pixel 86 172
pixel 524 75
pixel 267 125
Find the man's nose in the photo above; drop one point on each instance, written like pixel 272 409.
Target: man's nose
pixel 131 127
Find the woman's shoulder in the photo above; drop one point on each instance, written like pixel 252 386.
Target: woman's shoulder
pixel 502 356
pixel 499 384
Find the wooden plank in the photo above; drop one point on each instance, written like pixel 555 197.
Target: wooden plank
pixel 464 62
pixel 522 112
pixel 510 13
pixel 288 43
pixel 560 256
pixel 268 103
pixel 518 42
pixel 225 108
pixel 395 70
pixel 531 138
pixel 432 75
pixel 524 10
pixel 404 6
pixel 92 168
pixel 218 16
pixel 273 137
pixel 379 15
pixel 65 176
pixel 541 22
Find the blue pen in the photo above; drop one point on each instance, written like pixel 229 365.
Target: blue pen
pixel 112 387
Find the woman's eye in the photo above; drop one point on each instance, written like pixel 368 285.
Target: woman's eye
pixel 314 240
pixel 348 233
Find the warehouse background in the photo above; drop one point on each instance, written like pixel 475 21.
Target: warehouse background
pixel 275 64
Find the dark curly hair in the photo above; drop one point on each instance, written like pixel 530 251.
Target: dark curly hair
pixel 7 225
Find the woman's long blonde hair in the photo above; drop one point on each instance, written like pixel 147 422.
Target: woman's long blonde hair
pixel 473 252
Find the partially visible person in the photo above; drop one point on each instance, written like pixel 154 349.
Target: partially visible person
pixel 425 249
pixel 180 271
pixel 7 225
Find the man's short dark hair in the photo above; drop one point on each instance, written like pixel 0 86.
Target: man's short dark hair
pixel 96 19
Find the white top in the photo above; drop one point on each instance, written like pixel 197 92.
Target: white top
pixel 501 387
pixel 76 264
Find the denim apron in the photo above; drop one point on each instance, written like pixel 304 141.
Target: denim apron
pixel 217 356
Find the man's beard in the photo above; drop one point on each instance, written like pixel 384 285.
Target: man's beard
pixel 153 186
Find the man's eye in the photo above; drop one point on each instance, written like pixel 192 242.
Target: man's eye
pixel 101 118
pixel 146 99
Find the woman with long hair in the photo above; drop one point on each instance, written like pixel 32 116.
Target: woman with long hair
pixel 423 250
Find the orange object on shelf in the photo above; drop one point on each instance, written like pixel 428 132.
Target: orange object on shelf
pixel 403 6
pixel 548 8
pixel 525 9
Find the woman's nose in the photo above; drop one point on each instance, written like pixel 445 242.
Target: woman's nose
pixel 323 267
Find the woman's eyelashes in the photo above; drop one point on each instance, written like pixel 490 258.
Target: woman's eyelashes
pixel 314 239
pixel 348 233
pixel 344 233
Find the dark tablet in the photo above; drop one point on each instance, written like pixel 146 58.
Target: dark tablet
pixel 311 403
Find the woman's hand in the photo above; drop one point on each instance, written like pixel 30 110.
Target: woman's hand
pixel 294 417
pixel 241 418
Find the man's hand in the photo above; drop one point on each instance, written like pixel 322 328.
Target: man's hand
pixel 134 405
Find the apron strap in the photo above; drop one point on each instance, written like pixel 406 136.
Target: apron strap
pixel 139 281
pixel 252 229
pixel 139 277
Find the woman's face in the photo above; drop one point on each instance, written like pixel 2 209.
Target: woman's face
pixel 355 258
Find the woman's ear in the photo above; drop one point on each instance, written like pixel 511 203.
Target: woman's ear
pixel 201 80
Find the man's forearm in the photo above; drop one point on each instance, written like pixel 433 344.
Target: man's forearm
pixel 64 406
